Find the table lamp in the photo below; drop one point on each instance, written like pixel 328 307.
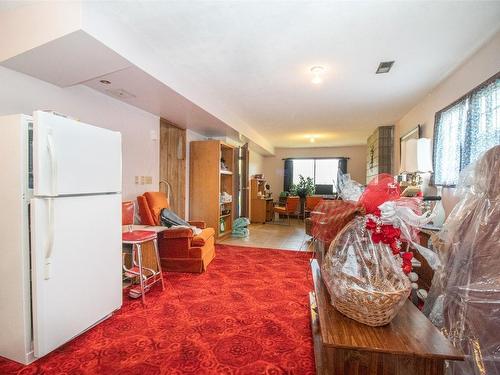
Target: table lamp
pixel 416 159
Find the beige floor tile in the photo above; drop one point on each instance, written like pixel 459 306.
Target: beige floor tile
pixel 274 236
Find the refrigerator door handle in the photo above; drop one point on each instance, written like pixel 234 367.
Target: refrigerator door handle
pixel 50 240
pixel 53 161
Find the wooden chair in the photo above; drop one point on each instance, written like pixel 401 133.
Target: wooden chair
pixel 311 202
pixel 290 207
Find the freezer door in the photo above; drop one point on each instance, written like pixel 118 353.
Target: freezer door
pixel 70 157
pixel 76 265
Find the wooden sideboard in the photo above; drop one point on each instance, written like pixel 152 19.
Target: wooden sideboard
pixel 409 345
pixel 261 209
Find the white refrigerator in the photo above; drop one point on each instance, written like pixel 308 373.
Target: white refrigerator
pixel 60 231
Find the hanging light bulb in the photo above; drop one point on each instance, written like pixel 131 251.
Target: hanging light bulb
pixel 317 72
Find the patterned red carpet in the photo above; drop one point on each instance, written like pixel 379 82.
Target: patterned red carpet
pixel 247 315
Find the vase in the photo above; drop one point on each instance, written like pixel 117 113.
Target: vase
pixel 440 217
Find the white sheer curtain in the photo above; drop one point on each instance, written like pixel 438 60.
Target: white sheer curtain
pixel 465 130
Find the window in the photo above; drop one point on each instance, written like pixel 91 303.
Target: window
pixel 323 171
pixel 304 167
pixel 465 129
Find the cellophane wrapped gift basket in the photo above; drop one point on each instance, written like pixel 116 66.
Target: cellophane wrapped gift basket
pixel 464 300
pixel 365 268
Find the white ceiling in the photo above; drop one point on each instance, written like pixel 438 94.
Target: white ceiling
pixel 12 4
pixel 255 56
pixel 79 57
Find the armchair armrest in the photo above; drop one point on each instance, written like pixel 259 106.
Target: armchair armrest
pixel 177 233
pixel 198 224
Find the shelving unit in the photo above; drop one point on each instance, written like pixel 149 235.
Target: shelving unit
pixel 208 180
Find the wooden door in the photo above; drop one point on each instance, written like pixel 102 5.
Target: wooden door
pixel 173 165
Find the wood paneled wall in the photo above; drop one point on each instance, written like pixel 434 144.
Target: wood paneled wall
pixel 173 164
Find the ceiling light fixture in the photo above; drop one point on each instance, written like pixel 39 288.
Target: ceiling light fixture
pixel 312 140
pixel 317 72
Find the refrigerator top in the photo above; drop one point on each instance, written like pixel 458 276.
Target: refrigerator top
pixel 74 158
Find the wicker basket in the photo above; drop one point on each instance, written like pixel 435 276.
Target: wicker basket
pixel 364 279
pixel 374 308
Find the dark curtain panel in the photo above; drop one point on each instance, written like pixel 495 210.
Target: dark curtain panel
pixel 341 171
pixel 343 166
pixel 288 176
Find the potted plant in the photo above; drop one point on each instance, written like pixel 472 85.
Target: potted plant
pixel 304 188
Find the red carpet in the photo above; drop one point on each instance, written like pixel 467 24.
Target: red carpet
pixel 248 314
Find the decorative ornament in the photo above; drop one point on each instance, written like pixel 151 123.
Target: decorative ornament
pixel 413 277
pixel 389 235
pixel 422 294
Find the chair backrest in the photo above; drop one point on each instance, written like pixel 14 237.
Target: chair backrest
pixel 128 211
pixel 292 203
pixel 150 206
pixel 312 201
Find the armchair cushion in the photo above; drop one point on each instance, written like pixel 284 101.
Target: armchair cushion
pixel 157 201
pixel 144 212
pixel 203 237
pixel 177 232
pixel 198 224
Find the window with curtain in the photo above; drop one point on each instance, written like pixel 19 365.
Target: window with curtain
pixel 323 171
pixel 465 129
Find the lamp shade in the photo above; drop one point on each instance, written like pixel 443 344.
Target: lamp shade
pixel 416 156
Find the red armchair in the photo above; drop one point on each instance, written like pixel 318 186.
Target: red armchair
pixel 180 250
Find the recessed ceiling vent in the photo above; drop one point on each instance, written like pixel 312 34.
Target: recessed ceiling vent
pixel 384 67
pixel 120 94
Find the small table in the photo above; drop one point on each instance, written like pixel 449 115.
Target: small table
pixel 409 345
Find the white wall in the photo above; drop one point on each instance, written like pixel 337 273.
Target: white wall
pixel 20 93
pixel 255 163
pixel 274 165
pixel 478 68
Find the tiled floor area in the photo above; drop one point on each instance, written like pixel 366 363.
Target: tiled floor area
pixel 274 236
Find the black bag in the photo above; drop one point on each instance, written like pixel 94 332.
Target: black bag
pixel 169 219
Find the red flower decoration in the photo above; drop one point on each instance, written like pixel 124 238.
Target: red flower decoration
pixel 377 237
pixel 370 224
pixel 391 232
pixel 389 235
pixel 408 256
pixel 395 248
pixel 407 268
